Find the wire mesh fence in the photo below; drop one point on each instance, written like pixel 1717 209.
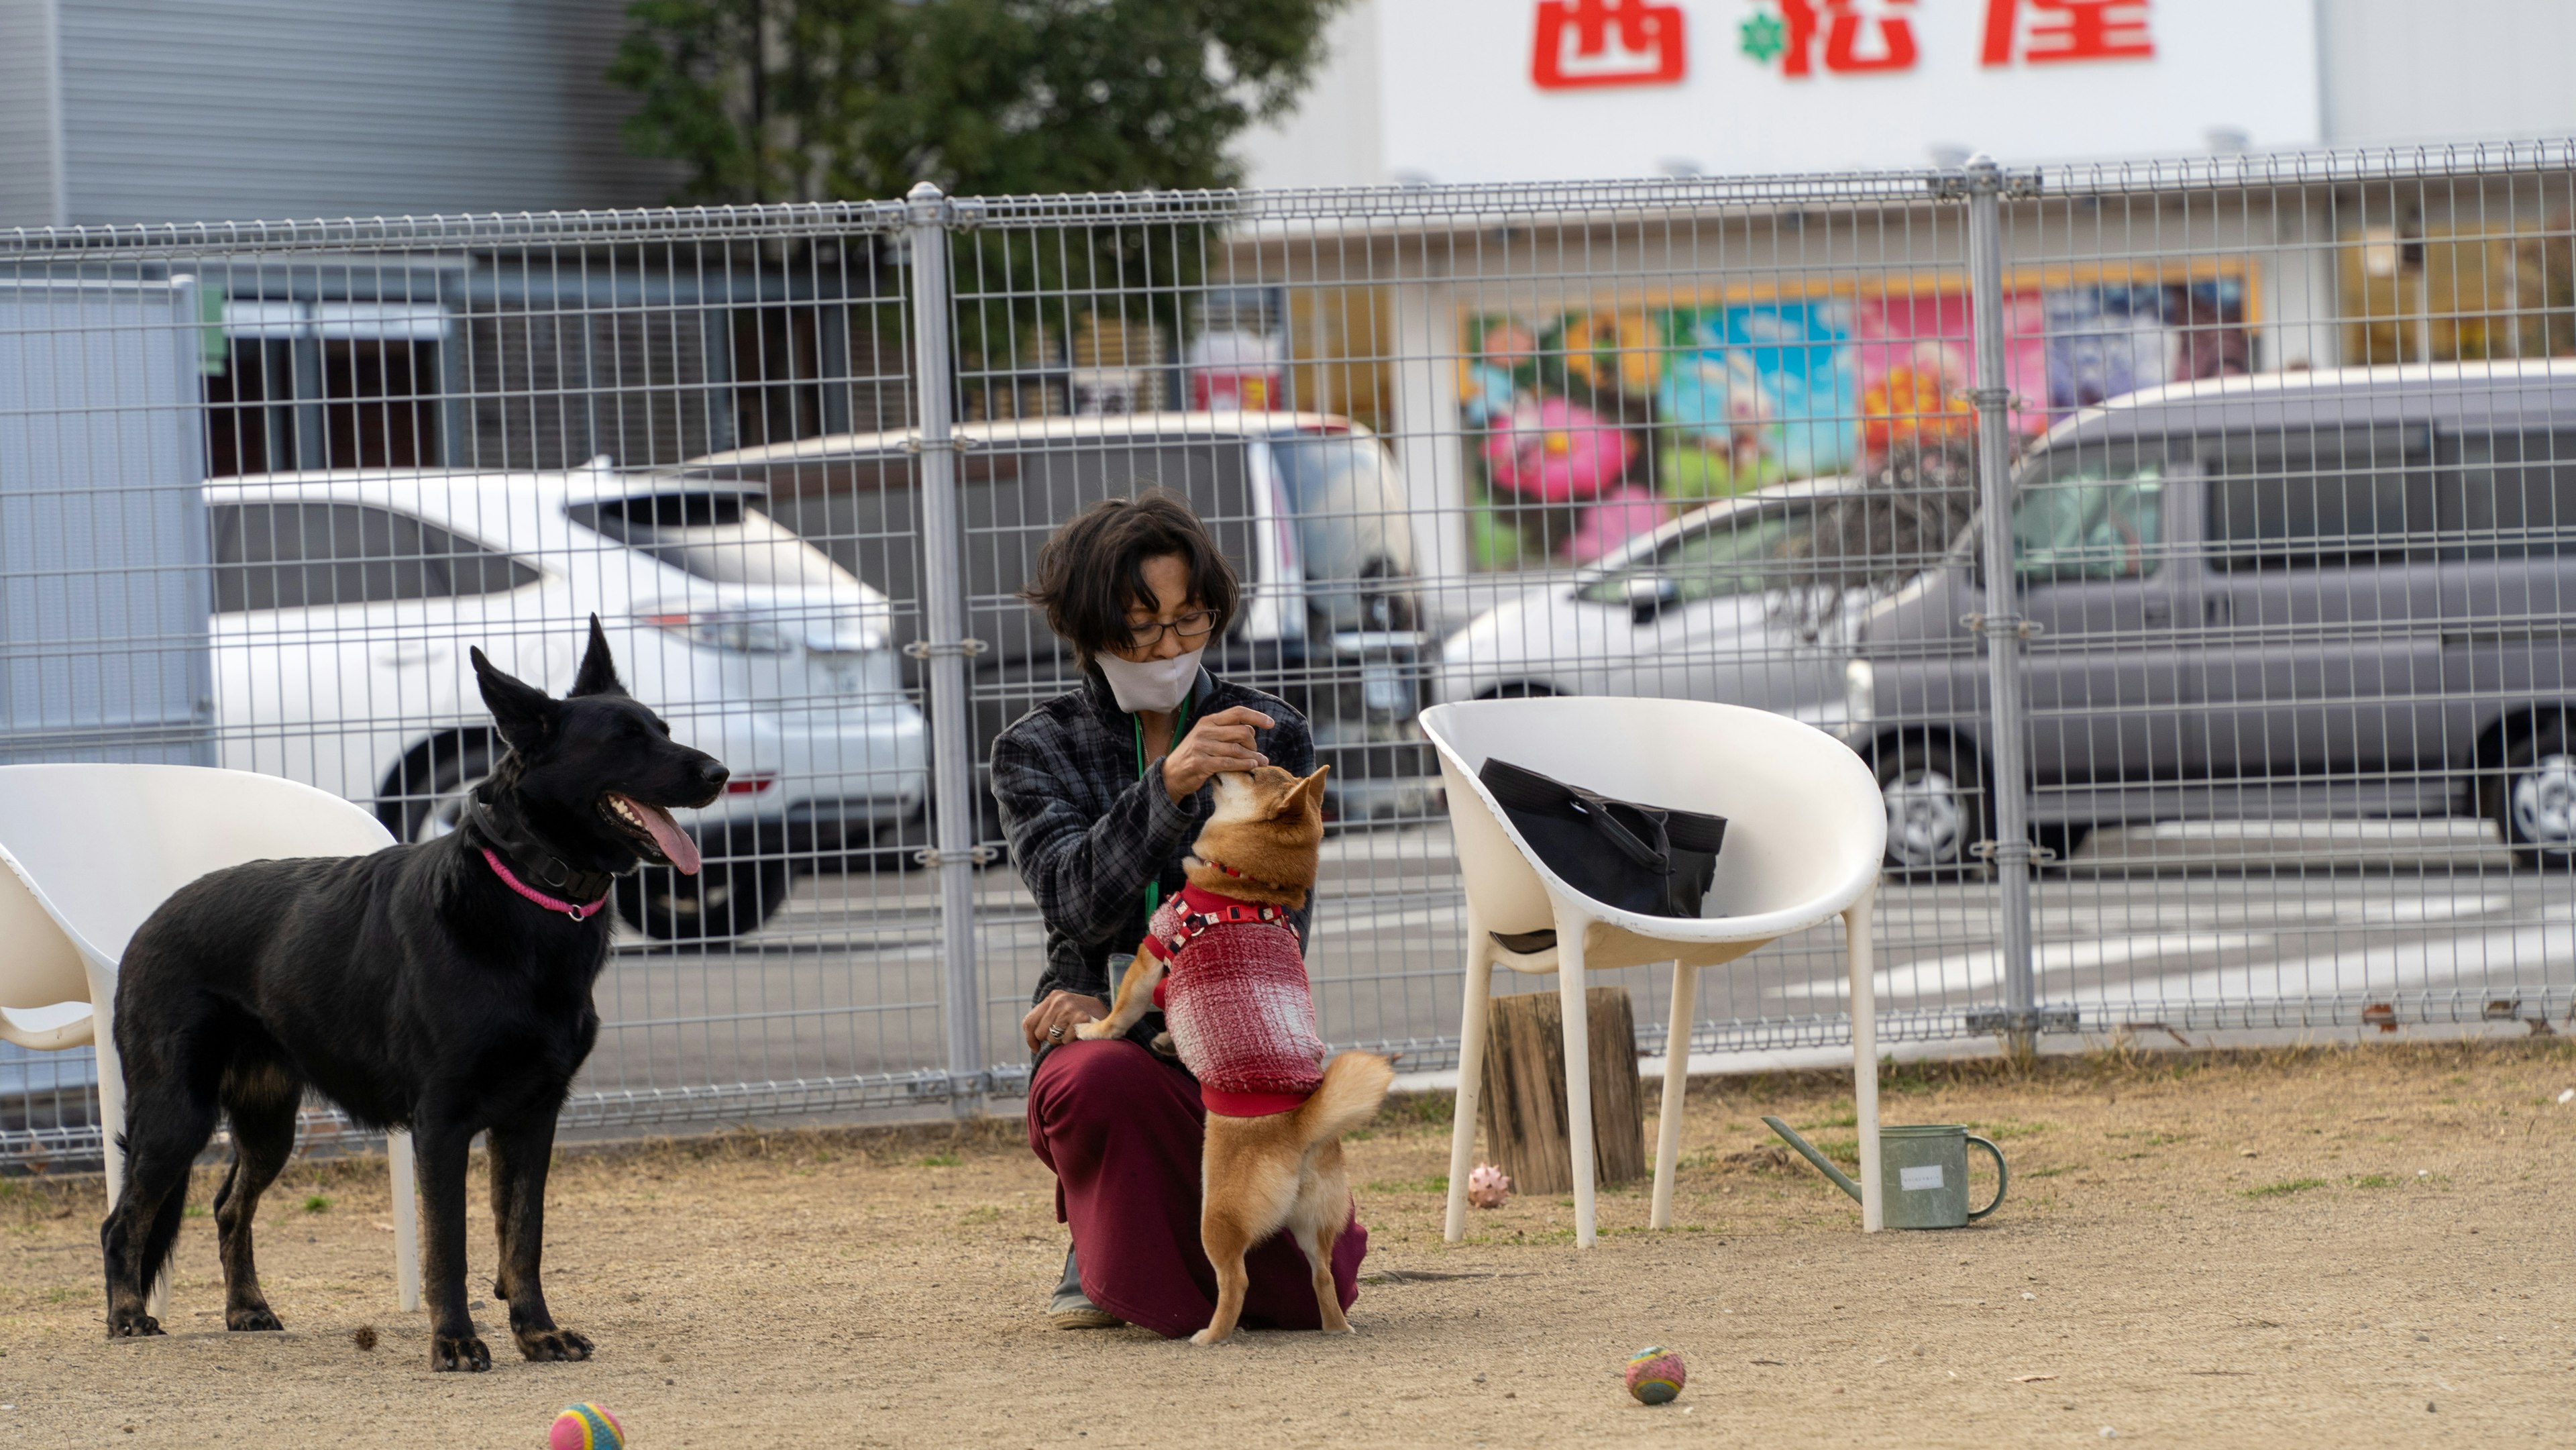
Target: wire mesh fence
pixel 2278 443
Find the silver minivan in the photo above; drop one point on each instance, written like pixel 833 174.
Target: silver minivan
pixel 2343 594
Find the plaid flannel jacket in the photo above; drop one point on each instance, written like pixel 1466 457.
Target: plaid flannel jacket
pixel 1087 833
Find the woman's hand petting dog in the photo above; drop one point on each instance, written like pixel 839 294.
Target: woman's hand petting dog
pixel 1051 1022
pixel 1217 744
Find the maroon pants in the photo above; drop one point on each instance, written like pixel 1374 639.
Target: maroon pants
pixel 1121 1129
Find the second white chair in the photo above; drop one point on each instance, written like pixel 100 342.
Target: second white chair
pixel 90 851
pixel 1806 829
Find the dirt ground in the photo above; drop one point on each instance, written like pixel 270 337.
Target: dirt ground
pixel 2333 1247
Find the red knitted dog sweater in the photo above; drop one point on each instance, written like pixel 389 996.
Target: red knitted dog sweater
pixel 1236 1000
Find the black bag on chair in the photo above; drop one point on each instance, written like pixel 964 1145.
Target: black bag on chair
pixel 1640 858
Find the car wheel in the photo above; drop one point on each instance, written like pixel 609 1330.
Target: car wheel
pixel 424 802
pixel 2533 801
pixel 1936 808
pixel 725 899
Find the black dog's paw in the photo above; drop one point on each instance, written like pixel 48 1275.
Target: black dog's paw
pixel 458 1351
pixel 255 1317
pixel 546 1344
pixel 132 1325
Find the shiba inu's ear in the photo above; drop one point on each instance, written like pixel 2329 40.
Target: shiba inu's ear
pixel 598 668
pixel 1309 791
pixel 525 714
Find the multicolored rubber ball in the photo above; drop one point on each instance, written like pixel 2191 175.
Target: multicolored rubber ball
pixel 1655 1375
pixel 586 1426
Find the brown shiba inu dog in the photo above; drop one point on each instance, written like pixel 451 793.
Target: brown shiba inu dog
pixel 1223 965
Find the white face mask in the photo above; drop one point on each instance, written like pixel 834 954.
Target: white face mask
pixel 1156 685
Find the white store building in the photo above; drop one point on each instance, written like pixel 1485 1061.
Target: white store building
pixel 1731 338
pixel 1454 90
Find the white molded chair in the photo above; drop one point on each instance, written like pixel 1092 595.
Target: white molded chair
pixel 1806 828
pixel 92 850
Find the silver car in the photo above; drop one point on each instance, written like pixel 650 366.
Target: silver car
pixel 1707 607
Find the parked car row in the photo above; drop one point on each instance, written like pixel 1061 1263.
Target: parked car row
pixel 2325 594
pixel 762 601
pixel 2309 595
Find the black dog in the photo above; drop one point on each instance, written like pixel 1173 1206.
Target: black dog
pixel 420 986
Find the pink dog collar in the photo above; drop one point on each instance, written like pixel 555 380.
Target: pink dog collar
pixel 577 913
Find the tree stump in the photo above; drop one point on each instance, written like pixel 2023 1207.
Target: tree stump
pixel 1525 1115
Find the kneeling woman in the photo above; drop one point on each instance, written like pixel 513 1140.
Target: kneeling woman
pixel 1102 791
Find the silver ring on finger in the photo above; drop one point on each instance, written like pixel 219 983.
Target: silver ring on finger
pixel 1056 1033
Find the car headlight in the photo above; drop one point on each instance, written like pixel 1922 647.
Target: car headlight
pixel 750 634
pixel 1860 690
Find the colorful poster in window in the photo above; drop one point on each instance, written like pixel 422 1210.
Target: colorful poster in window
pixel 1590 426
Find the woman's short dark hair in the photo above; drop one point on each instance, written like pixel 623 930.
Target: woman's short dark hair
pixel 1093 568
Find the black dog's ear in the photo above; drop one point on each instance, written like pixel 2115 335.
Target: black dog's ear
pixel 598 670
pixel 525 713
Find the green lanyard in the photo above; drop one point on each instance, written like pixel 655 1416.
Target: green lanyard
pixel 1180 724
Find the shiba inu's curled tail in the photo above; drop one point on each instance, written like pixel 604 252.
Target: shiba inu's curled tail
pixel 1354 1084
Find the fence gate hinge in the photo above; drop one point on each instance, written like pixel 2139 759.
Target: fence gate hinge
pixel 1995 1021
pixel 938 1086
pixel 2002 624
pixel 2010 185
pixel 2039 855
pixel 934 858
pixel 922 649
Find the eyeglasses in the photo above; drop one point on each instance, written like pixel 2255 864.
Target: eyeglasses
pixel 1190 627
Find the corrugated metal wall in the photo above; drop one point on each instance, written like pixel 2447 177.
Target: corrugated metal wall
pixel 102 529
pixel 27 150
pixel 196 109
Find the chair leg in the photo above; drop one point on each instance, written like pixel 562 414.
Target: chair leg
pixel 406 1219
pixel 1578 1070
pixel 111 1092
pixel 1473 1014
pixel 1864 1020
pixel 1668 1127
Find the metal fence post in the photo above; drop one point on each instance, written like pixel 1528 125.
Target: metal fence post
pixel 2001 623
pixel 945 647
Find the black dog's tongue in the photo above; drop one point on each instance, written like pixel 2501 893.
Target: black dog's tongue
pixel 675 843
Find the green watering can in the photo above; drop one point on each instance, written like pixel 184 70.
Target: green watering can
pixel 1922 1173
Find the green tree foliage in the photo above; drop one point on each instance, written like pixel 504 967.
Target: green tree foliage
pixel 848 100
pixel 815 100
